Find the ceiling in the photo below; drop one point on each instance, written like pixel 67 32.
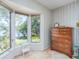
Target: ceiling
pixel 52 4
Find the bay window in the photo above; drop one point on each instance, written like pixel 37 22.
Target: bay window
pixel 17 32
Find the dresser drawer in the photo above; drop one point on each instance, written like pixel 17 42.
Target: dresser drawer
pixel 65 33
pixel 62 40
pixel 67 51
pixel 67 47
pixel 68 42
pixel 65 30
pixel 62 36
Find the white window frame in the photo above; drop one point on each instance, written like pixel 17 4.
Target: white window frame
pixel 13 38
pixel 12 31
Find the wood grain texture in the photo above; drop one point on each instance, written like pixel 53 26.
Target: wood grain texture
pixel 62 40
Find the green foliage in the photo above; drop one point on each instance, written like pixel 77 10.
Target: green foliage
pixel 4 29
pixel 35 28
pixel 23 29
pixel 21 25
pixel 20 41
pixel 35 25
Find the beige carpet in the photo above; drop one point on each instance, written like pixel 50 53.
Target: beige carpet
pixel 43 55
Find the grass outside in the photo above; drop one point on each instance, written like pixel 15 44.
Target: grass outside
pixel 4 45
pixel 19 42
pixel 35 39
pixel 2 50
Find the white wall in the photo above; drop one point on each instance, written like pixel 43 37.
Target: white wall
pixel 67 15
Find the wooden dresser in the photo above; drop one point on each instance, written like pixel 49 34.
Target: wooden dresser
pixel 62 40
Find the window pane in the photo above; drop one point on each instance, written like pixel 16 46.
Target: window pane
pixel 35 28
pixel 4 29
pixel 21 29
